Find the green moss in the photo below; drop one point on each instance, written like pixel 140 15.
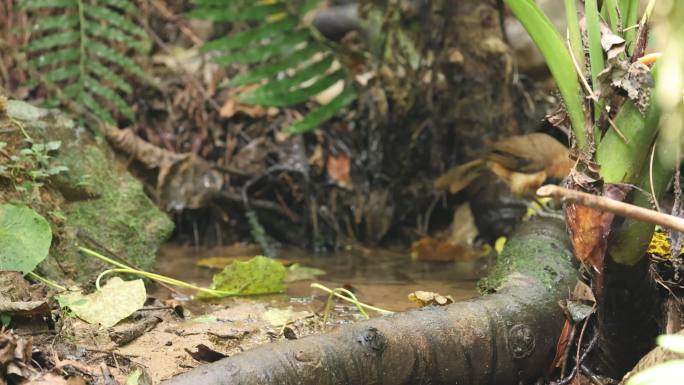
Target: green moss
pixel 532 255
pixel 100 201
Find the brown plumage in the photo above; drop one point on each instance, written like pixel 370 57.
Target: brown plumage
pixel 523 162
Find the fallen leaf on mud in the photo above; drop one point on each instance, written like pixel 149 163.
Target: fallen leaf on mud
pixel 279 317
pixel 15 355
pixel 298 272
pixel 48 379
pixel 114 301
pixel 259 275
pixel 134 377
pixel 338 169
pixel 426 298
pixel 578 311
pixel 582 292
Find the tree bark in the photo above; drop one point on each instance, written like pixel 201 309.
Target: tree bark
pixel 504 337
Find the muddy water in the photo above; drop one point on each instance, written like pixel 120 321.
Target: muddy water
pixel 379 277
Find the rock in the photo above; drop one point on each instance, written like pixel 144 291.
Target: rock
pixel 97 203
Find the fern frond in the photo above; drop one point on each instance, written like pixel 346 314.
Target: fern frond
pixel 292 64
pixel 83 51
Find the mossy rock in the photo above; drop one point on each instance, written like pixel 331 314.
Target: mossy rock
pixel 97 203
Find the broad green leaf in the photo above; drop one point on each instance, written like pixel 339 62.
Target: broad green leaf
pixel 612 10
pixel 282 64
pixel 116 300
pixel 314 118
pixel 252 36
pixel 259 275
pixel 25 238
pixel 557 57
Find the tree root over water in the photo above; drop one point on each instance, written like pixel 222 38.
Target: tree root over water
pixel 504 337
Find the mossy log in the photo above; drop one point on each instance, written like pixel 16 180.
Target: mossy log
pixel 504 337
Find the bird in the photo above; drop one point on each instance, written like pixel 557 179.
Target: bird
pixel 501 184
pixel 522 162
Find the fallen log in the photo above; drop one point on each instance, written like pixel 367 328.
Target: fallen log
pixel 505 337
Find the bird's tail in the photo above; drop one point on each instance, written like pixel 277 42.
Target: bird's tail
pixel 460 177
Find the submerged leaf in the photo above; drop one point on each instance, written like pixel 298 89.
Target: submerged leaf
pixel 25 238
pixel 259 275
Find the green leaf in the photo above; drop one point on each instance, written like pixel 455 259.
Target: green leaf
pixel 252 12
pixel 54 40
pixel 55 57
pixel 309 72
pixel 252 36
pixel 113 56
pixel 113 18
pixel 134 378
pixel 94 106
pixel 62 73
pixel 314 118
pixel 274 68
pixel 629 10
pixel 25 238
pixel 558 59
pixel 612 9
pixel 259 275
pixel 114 301
pixel 595 50
pixel 108 32
pixel 290 97
pixel 263 52
pixel 47 23
pixel 110 96
pixel 123 5
pixel 37 4
pixel 105 73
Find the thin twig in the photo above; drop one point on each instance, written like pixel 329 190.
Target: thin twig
pixel 612 206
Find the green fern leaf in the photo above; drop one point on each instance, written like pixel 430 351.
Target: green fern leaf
pixel 284 85
pixel 314 118
pixel 110 96
pixel 55 40
pixel 114 19
pixel 94 106
pixel 112 56
pixel 38 4
pixel 272 69
pixel 123 5
pixel 255 12
pixel 96 68
pixel 261 53
pixel 55 57
pixel 253 35
pixel 62 73
pixel 309 5
pixel 55 22
pixel 114 34
pixel 291 97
